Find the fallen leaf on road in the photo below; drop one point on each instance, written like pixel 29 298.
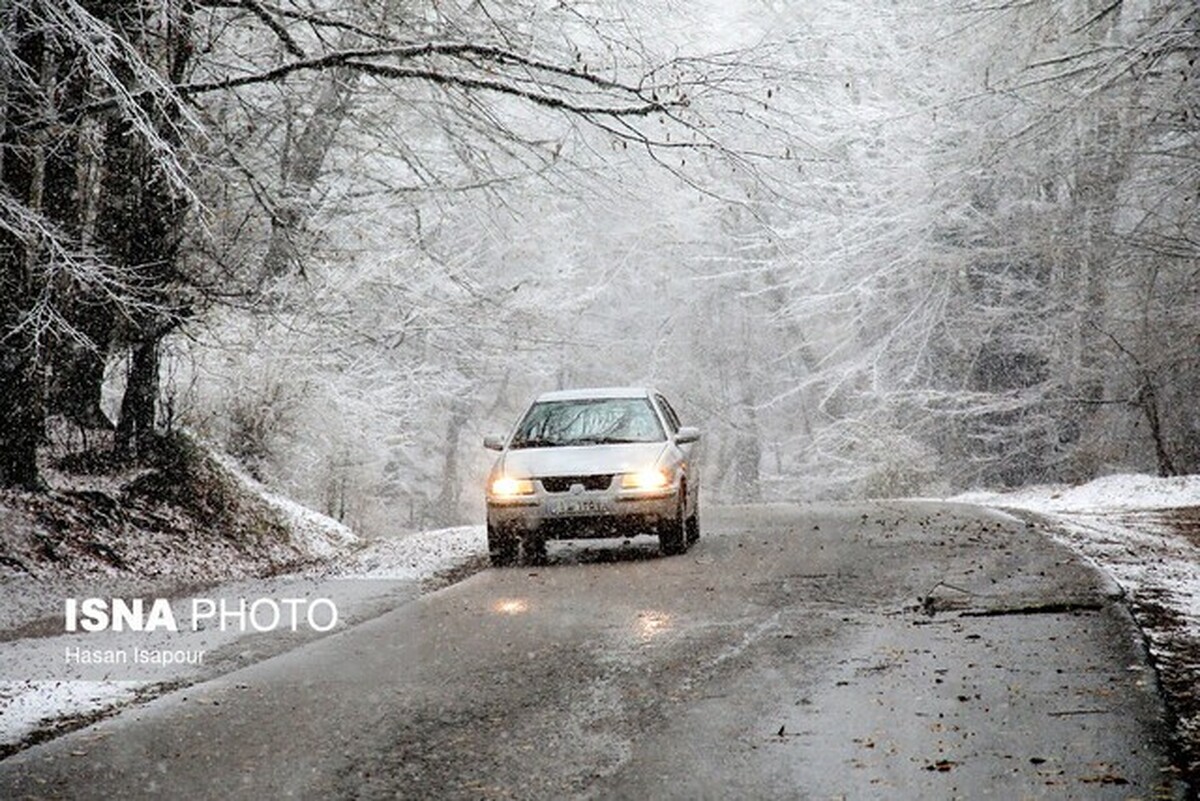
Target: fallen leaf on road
pixel 1107 778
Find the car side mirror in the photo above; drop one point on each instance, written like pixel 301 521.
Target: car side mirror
pixel 687 434
pixel 493 443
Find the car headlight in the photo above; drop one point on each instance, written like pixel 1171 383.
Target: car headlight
pixel 652 479
pixel 508 487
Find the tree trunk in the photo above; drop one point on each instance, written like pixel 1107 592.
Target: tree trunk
pixel 76 368
pixel 73 190
pixel 1148 399
pixel 136 431
pixel 142 225
pixel 451 492
pixel 747 453
pixel 301 170
pixel 21 418
pixel 77 382
pixel 22 175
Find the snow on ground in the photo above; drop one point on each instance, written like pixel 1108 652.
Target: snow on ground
pixel 419 556
pixel 29 706
pixel 319 535
pixel 367 581
pixel 1145 533
pixel 1111 493
pixel 37 694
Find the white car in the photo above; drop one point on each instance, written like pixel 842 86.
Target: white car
pixel 593 463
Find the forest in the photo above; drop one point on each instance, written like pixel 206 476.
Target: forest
pixel 872 249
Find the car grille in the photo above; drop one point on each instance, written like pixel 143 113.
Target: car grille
pixel 564 483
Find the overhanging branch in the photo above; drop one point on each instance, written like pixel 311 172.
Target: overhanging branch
pixel 538 98
pixel 640 101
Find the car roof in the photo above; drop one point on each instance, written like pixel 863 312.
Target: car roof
pixel 596 393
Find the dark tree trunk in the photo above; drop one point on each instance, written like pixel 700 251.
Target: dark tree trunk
pixel 77 368
pixel 21 417
pixel 22 171
pixel 77 381
pixel 136 431
pixel 76 372
pixel 1148 399
pixel 142 227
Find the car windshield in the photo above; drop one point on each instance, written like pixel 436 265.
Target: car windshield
pixel 594 421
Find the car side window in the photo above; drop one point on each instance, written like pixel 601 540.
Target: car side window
pixel 669 413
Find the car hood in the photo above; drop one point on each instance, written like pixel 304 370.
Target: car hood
pixel 583 460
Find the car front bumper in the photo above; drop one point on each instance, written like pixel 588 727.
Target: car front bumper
pixel 581 515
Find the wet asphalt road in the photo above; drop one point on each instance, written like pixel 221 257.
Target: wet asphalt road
pixel 866 651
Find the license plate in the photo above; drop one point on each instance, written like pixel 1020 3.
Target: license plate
pixel 575 506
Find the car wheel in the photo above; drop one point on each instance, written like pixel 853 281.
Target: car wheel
pixel 502 546
pixel 693 523
pixel 672 535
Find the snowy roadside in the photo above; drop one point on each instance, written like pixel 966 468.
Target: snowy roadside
pixel 365 579
pixel 418 557
pixel 318 535
pixel 1145 533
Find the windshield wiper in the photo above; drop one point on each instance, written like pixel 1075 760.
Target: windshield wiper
pixel 607 440
pixel 536 442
